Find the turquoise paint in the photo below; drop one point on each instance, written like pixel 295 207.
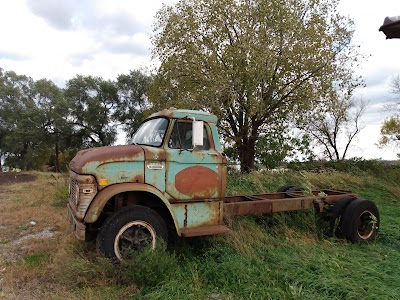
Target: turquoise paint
pixel 178 160
pixel 186 113
pixel 155 174
pixel 215 136
pixel 115 171
pixel 191 215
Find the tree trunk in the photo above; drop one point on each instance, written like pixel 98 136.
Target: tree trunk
pixel 56 162
pixel 246 153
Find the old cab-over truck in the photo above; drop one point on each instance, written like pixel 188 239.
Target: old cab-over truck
pixel 174 175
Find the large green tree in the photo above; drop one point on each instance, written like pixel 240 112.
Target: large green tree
pixel 42 124
pixel 92 102
pixel 55 128
pixel 252 63
pixel 133 100
pixel 19 119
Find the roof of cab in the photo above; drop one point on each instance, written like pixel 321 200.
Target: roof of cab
pixel 186 113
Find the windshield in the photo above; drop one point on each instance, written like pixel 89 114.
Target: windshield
pixel 151 132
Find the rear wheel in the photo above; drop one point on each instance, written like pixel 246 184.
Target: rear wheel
pixel 360 221
pixel 289 188
pixel 335 215
pixel 130 229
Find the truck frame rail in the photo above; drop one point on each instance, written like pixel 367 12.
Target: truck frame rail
pixel 259 204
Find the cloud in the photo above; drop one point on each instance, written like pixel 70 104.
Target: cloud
pixel 77 59
pixel 113 28
pixel 87 15
pixel 375 114
pixel 378 90
pixel 135 45
pixel 12 56
pixel 58 14
pixel 133 48
pixel 380 76
pixel 120 23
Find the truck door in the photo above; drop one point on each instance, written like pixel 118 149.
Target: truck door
pixel 192 173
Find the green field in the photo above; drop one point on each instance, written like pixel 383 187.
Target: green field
pixel 281 256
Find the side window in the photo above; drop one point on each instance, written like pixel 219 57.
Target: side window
pixel 181 137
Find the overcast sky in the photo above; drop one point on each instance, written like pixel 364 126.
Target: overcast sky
pixel 57 39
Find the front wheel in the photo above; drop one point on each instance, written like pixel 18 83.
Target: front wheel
pixel 130 229
pixel 360 221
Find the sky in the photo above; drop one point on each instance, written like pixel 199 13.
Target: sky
pixel 58 39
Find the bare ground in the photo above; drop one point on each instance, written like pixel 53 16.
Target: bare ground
pixel 32 222
pixel 11 178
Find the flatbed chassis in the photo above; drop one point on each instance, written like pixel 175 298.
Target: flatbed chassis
pixel 279 202
pixel 261 204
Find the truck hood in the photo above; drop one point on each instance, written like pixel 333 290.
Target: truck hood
pixel 91 161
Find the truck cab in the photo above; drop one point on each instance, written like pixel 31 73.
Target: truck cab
pixel 174 167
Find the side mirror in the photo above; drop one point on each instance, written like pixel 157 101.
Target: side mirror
pixel 197 133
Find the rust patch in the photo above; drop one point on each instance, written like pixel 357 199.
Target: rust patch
pixel 186 217
pixel 102 154
pixel 137 179
pixel 248 208
pixel 207 230
pixel 197 181
pixel 154 154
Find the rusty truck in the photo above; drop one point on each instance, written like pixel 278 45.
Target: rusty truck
pixel 172 178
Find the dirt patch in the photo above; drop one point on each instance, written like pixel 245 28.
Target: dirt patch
pixel 47 233
pixel 10 178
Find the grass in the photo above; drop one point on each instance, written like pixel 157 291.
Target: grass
pixel 280 256
pixel 35 259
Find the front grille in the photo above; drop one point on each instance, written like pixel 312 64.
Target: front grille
pixel 78 200
pixel 74 191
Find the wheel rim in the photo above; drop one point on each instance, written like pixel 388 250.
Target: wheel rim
pixel 366 225
pixel 134 236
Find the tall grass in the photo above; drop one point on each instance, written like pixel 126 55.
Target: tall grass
pixel 279 256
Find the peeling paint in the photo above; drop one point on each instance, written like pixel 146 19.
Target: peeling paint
pixel 198 182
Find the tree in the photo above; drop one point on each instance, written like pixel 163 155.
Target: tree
pixel 42 124
pixel 92 102
pixel 19 119
pixel 56 131
pixel 390 130
pixel 2 150
pixel 252 63
pixel 336 126
pixel 133 100
pixel 282 144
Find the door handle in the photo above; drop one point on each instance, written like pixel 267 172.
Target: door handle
pixel 213 154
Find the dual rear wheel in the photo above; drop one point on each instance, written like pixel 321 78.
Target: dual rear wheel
pixel 360 221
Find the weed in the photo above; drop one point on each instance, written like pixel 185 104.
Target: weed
pixel 61 196
pixel 36 259
pixel 149 268
pixel 23 227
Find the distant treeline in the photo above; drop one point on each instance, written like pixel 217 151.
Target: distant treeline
pixel 42 124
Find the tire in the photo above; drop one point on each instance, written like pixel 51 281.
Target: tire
pixel 289 188
pixel 130 229
pixel 335 212
pixel 360 221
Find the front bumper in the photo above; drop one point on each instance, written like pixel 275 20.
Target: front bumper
pixel 77 227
